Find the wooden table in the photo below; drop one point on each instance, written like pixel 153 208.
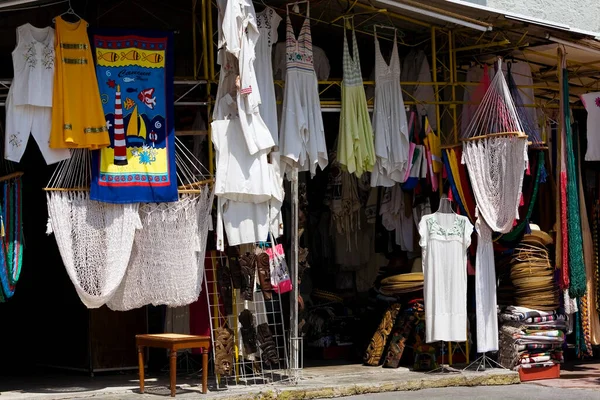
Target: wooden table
pixel 173 342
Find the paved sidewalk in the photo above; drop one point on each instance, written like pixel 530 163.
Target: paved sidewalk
pixel 317 382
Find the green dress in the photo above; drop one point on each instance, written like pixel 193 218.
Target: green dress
pixel 356 150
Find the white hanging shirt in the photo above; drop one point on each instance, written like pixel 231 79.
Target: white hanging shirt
pixel 444 241
pixel 33 63
pixel 591 102
pixel 267 21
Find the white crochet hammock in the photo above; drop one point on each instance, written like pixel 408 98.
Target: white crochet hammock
pixel 130 255
pixel 167 259
pixel 495 153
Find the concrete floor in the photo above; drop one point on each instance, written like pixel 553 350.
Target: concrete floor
pixel 524 392
pixel 316 382
pixel 319 382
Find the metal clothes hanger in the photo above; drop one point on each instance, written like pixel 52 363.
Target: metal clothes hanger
pixel 70 11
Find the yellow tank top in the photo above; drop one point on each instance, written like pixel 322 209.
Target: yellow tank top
pixel 77 116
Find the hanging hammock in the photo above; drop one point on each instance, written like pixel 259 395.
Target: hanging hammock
pixel 495 153
pixel 167 260
pixel 11 229
pixel 94 238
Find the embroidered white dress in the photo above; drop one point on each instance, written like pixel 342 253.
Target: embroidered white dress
pixel 29 101
pixel 389 121
pixel 302 136
pixel 444 241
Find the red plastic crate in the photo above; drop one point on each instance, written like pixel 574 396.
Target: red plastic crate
pixel 536 374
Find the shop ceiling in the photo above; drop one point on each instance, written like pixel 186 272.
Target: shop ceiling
pixel 480 33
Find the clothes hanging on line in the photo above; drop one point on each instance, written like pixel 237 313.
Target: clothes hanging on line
pixel 389 121
pixel 591 102
pixel 302 136
pixel 267 22
pixel 77 115
pixel 416 69
pixel 248 189
pixel 29 100
pixel 355 150
pixel 238 94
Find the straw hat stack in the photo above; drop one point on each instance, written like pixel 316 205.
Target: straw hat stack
pixel 532 273
pixel 404 283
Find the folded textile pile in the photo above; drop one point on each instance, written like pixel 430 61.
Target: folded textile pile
pixel 403 283
pixel 531 338
pixel 532 274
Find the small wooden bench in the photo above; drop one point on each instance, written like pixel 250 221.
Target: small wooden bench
pixel 173 342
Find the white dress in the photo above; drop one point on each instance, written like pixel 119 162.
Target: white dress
pixel 591 102
pixel 444 241
pixel 302 136
pixel 29 101
pixel 267 22
pixel 389 121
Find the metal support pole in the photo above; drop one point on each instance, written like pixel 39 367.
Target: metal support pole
pixel 195 50
pixel 207 57
pixel 435 81
pixel 294 340
pixel 453 79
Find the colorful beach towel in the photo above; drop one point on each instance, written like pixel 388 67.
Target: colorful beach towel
pixel 135 77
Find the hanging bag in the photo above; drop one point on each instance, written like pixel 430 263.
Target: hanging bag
pixel 280 276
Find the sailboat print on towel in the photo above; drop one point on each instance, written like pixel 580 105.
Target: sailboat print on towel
pixel 136 129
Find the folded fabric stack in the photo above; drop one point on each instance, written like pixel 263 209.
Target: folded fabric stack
pixel 531 338
pixel 402 283
pixel 532 274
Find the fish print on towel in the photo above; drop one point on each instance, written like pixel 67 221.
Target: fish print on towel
pixel 135 73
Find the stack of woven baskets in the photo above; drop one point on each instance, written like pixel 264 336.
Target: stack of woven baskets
pixel 532 273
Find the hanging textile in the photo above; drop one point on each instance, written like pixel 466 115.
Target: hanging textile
pixel 167 258
pixel 302 135
pixel 528 122
pixel 77 117
pixel 355 151
pixel 473 94
pixel 11 248
pixel 29 100
pixel 136 86
pixel 577 286
pixel 267 22
pixel 495 153
pixel 94 238
pixel 591 102
pixel 516 234
pixel 389 121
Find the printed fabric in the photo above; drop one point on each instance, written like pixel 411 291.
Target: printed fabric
pixel 135 77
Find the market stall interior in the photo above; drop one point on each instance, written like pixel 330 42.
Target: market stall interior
pixel 394 184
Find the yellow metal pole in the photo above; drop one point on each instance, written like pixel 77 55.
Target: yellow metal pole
pixel 195 51
pixel 211 47
pixel 453 79
pixel 435 81
pixel 208 56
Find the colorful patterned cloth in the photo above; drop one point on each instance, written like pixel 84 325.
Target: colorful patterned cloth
pixel 135 77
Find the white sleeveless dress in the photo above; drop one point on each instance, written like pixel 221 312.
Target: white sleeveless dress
pixel 389 121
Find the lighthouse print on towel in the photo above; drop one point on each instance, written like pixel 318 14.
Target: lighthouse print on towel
pixel 135 77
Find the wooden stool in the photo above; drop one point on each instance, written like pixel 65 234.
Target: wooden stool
pixel 173 342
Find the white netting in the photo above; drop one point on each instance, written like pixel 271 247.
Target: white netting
pixel 94 239
pixel 167 261
pixel 495 153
